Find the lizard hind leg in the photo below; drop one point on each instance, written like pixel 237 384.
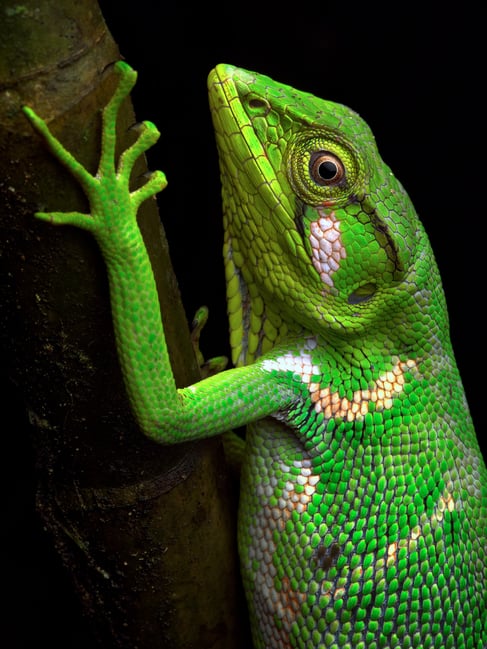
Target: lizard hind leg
pixel 234 448
pixel 213 365
pixel 233 444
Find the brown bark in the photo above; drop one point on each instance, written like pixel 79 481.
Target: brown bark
pixel 145 532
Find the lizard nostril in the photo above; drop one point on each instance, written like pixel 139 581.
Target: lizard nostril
pixel 258 106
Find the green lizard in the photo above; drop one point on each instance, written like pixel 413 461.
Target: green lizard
pixel 363 503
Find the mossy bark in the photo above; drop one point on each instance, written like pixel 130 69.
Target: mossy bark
pixel 146 532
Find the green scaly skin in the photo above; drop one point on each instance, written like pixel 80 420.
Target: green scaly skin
pixel 363 492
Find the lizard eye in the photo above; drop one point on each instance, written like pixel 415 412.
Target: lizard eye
pixel 326 168
pixel 321 168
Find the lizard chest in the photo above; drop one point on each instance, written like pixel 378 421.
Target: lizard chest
pixel 341 560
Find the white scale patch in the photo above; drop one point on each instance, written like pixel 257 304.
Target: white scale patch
pixel 326 246
pixel 300 364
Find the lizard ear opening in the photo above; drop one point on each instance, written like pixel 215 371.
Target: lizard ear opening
pixel 362 293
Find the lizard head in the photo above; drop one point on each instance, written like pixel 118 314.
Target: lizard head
pixel 316 224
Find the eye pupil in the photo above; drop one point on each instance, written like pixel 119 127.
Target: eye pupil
pixel 327 170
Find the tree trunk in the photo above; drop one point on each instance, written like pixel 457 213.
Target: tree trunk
pixel 145 532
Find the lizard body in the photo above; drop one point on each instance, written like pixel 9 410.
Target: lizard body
pixel 363 507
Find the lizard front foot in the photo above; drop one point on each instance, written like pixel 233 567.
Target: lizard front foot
pixel 111 179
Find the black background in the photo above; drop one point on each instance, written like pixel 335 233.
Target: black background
pixel 414 73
